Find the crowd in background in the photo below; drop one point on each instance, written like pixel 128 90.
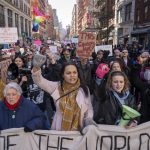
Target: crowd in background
pixel 65 92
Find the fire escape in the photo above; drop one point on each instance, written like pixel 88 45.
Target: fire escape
pixel 105 16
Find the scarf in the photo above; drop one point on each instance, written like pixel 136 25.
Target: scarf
pixel 14 106
pixel 122 97
pixel 69 107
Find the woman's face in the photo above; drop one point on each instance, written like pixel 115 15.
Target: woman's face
pixel 118 83
pixel 124 53
pixel 116 67
pixel 84 61
pixel 70 74
pixel 12 96
pixel 30 56
pixel 19 62
pixel 100 55
pixel 66 54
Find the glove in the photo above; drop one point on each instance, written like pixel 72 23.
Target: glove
pixel 38 60
pixel 90 121
pixel 26 129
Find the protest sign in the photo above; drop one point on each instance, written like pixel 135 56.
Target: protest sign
pixel 3 68
pixel 104 47
pixel 103 137
pixel 8 35
pixel 53 48
pixel 37 42
pixel 86 44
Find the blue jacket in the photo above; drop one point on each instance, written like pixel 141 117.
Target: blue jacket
pixel 27 114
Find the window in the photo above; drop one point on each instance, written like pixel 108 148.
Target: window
pixel 128 10
pixel 138 15
pixel 29 11
pixel 17 21
pixel 29 28
pixel 10 1
pixel 22 24
pixel 26 26
pixel 16 3
pixel 21 5
pixel 119 16
pixel 10 19
pixel 2 17
pixel 24 8
pixel 146 13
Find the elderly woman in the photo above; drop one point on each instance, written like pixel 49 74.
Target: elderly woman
pixel 17 111
pixel 71 97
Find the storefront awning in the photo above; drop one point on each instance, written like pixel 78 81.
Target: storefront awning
pixel 140 31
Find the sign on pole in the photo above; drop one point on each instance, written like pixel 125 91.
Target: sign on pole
pixel 8 35
pixel 86 44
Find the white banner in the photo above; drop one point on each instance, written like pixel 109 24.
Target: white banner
pixel 8 35
pixel 53 48
pixel 104 137
pixel 104 47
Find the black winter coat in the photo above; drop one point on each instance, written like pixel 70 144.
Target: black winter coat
pixel 110 109
pixel 144 89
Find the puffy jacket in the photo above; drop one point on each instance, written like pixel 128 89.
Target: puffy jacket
pixel 27 114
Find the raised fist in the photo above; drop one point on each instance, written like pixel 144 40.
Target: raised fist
pixel 38 60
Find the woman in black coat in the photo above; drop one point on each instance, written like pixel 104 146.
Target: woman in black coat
pixel 111 100
pixel 140 75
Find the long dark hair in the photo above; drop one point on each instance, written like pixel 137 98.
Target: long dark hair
pixel 22 58
pixel 82 85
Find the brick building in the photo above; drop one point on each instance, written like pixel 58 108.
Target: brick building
pixel 106 17
pixel 141 29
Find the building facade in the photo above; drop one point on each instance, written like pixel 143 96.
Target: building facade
pixel 16 13
pixel 56 25
pixel 49 22
pixel 124 21
pixel 105 14
pixel 85 20
pixel 74 29
pixel 141 28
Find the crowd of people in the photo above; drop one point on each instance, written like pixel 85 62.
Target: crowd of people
pixel 64 92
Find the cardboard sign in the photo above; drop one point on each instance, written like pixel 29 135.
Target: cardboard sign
pixel 3 68
pixel 103 137
pixel 8 35
pixel 86 44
